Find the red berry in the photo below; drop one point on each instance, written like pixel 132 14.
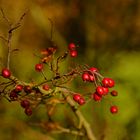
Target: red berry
pixel 13 95
pixel 25 103
pixel 6 73
pixel 93 69
pixel 111 83
pixel 39 67
pixel 27 89
pixel 46 87
pixel 100 90
pixel 85 76
pixel 28 111
pixel 114 93
pixel 91 78
pixel 108 82
pixel 18 88
pixel 106 90
pixel 96 97
pixel 81 101
pixel 73 53
pixel 72 46
pixel 113 109
pixel 76 97
pixel 105 82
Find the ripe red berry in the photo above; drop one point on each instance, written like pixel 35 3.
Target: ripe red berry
pixel 113 109
pixel 25 103
pixel 108 82
pixel 106 90
pixel 111 83
pixel 39 67
pixel 27 89
pixel 73 53
pixel 72 46
pixel 96 97
pixel 46 87
pixel 100 90
pixel 6 73
pixel 13 95
pixel 93 69
pixel 18 88
pixel 28 111
pixel 91 78
pixel 114 93
pixel 81 101
pixel 85 76
pixel 76 97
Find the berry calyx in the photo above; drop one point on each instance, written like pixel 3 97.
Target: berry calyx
pixel 46 87
pixel 25 103
pixel 81 101
pixel 114 109
pixel 18 88
pixel 73 53
pixel 114 93
pixel 39 67
pixel 6 73
pixel 85 76
pixel 72 46
pixel 76 97
pixel 28 111
pixel 96 97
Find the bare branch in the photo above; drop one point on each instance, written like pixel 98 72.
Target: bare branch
pixel 5 18
pixel 3 38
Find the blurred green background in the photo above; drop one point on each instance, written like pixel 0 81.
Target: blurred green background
pixel 107 33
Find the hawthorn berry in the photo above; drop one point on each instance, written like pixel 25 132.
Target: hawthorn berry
pixel 113 109
pixel 72 46
pixel 76 97
pixel 100 90
pixel 114 93
pixel 93 69
pixel 25 103
pixel 91 78
pixel 96 97
pixel 106 90
pixel 28 111
pixel 85 76
pixel 18 88
pixel 111 83
pixel 27 89
pixel 13 95
pixel 6 73
pixel 81 101
pixel 39 67
pixel 108 82
pixel 46 87
pixel 73 53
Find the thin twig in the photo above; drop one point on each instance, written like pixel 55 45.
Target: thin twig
pixel 5 18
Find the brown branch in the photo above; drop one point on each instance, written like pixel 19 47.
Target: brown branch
pixel 80 116
pixel 5 18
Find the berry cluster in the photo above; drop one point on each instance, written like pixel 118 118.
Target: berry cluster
pixel 102 85
pixel 72 50
pixel 78 98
